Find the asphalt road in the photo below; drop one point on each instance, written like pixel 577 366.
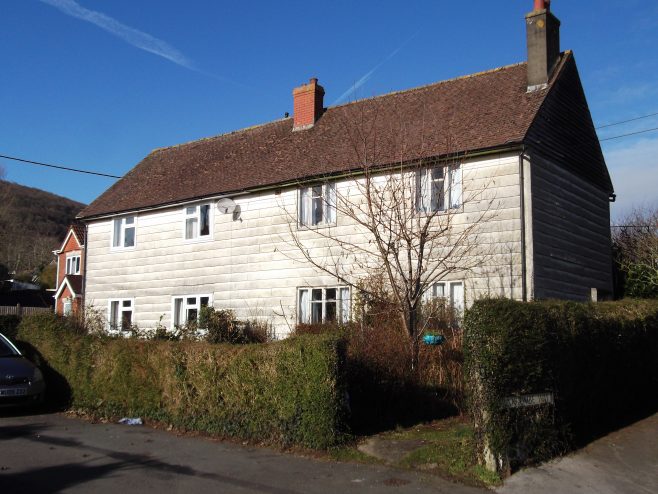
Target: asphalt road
pixel 54 453
pixel 624 462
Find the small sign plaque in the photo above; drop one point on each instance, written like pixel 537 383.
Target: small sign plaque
pixel 529 400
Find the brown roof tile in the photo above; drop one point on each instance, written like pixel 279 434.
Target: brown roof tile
pixel 480 111
pixel 79 230
pixel 75 280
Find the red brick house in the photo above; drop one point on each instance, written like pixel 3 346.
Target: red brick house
pixel 70 272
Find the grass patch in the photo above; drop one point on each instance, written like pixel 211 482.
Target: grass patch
pixel 447 448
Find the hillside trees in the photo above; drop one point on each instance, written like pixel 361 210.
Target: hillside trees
pixel 32 223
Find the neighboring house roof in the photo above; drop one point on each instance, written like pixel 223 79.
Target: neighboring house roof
pixel 74 282
pixel 479 112
pixel 78 231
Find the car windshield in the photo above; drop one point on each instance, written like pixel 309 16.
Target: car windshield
pixel 6 350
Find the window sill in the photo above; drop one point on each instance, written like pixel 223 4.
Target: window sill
pixel 442 212
pixel 122 249
pixel 198 240
pixel 316 227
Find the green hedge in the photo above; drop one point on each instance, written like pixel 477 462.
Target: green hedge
pixel 9 326
pixel 599 362
pixel 287 393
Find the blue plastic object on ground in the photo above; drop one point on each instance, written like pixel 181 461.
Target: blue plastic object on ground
pixel 432 339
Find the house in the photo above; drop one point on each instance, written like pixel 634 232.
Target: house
pixel 207 223
pixel 69 287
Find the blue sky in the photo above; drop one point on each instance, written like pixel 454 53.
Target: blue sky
pixel 98 84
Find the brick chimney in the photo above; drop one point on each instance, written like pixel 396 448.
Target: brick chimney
pixel 543 34
pixel 308 104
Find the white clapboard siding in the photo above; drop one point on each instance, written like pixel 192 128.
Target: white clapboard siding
pixel 251 266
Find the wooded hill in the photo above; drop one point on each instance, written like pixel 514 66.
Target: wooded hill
pixel 33 223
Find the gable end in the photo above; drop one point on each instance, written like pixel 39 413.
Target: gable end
pixel 563 129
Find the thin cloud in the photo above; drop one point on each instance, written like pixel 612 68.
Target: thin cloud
pixel 372 71
pixel 132 36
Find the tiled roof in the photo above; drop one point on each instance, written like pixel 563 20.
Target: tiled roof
pixel 482 111
pixel 75 281
pixel 79 230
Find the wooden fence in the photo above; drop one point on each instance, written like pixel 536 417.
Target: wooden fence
pixel 18 310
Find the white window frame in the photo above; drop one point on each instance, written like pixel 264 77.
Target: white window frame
pixel 195 215
pixel 119 226
pixel 67 307
pixel 114 325
pixel 444 289
pixel 72 264
pixel 320 198
pixel 439 193
pixel 186 306
pixel 305 303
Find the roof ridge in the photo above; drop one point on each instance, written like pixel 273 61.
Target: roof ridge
pixel 432 84
pixel 392 93
pixel 224 134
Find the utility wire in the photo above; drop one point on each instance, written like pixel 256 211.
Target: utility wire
pixel 58 167
pixel 99 174
pixel 627 135
pixel 626 121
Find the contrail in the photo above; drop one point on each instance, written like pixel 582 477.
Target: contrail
pixel 128 34
pixel 371 72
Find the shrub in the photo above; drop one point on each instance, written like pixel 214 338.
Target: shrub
pixel 384 391
pixel 9 326
pixel 222 327
pixel 597 361
pixel 288 392
pixel 641 280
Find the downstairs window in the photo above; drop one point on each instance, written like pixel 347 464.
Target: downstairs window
pixel 323 305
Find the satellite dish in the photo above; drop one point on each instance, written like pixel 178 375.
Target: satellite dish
pixel 226 205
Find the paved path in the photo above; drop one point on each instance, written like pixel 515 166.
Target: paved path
pixel 625 461
pixel 53 453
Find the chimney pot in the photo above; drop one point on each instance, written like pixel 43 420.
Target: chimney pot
pixel 542 5
pixel 308 104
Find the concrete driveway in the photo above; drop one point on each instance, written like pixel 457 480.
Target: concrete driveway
pixel 53 453
pixel 625 461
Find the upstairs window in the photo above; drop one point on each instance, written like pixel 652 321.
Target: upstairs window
pixel 317 205
pixel 123 233
pixel 121 314
pixel 187 309
pixel 73 264
pixel 197 222
pixel 323 305
pixel 439 188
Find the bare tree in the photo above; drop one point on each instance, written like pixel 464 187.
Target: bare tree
pixel 409 223
pixel 635 243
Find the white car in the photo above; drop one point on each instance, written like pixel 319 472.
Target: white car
pixel 21 382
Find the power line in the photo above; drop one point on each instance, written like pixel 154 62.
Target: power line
pixel 626 121
pixel 99 174
pixel 77 170
pixel 627 135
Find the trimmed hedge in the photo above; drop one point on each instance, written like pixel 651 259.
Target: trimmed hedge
pixel 286 393
pixel 597 360
pixel 9 326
